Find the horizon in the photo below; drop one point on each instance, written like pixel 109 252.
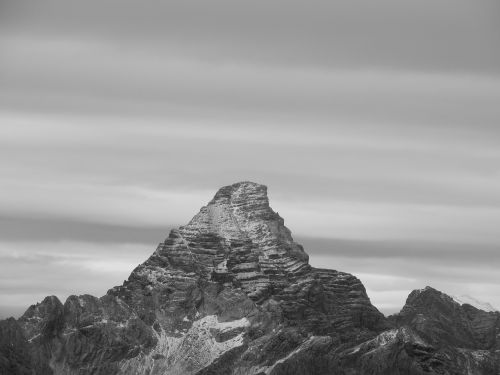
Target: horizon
pixel 374 126
pixel 321 246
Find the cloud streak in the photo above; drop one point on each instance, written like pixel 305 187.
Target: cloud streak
pixel 426 35
pixel 374 126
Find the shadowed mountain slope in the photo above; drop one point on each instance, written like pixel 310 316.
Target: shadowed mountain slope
pixel 231 292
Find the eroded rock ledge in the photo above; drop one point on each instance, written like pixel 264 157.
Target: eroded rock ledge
pixel 231 292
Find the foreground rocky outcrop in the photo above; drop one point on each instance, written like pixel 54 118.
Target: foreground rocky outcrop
pixel 232 293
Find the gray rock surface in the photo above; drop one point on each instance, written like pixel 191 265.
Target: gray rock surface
pixel 231 292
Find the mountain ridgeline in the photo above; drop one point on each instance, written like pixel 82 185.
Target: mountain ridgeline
pixel 232 293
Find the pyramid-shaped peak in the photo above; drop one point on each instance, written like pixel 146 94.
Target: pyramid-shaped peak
pixel 240 191
pixel 240 209
pixel 240 213
pixel 236 236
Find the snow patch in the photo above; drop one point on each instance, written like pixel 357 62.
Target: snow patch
pixel 34 337
pixel 267 369
pixel 188 353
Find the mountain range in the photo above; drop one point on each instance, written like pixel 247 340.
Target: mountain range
pixel 232 293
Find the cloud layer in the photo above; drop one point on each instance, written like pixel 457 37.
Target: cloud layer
pixel 375 127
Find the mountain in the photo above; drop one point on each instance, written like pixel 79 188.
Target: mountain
pixel 465 299
pixel 232 293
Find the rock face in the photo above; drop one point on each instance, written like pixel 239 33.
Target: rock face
pixel 232 293
pixel 465 299
pixel 433 334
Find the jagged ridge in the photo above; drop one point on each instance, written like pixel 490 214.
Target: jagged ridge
pixel 232 293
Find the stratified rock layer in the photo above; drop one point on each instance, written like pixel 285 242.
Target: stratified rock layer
pixel 232 293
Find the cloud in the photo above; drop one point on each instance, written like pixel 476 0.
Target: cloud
pixel 91 76
pixel 66 229
pixel 443 35
pixel 375 127
pixel 31 270
pixel 390 269
pixel 451 252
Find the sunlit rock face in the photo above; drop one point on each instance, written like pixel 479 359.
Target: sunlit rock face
pixel 237 238
pixel 232 293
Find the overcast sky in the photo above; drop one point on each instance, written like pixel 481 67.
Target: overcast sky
pixel 375 125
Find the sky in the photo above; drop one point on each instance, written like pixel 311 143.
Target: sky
pixel 375 126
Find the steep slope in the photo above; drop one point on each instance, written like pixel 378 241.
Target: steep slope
pixel 230 292
pixel 468 300
pixel 15 355
pixel 440 319
pixel 433 334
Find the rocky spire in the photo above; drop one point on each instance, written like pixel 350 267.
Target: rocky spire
pixel 230 292
pixel 237 237
pixel 241 212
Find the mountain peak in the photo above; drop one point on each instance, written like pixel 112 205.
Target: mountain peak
pixel 241 190
pixel 428 296
pixel 237 238
pixel 440 318
pixel 230 292
pixel 241 212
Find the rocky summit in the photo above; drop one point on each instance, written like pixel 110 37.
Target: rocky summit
pixel 231 292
